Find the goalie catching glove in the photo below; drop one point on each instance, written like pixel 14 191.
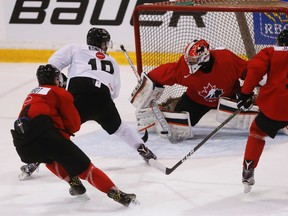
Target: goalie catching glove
pixel 145 92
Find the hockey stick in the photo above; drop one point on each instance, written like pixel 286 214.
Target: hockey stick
pixel 167 171
pixel 130 63
pixel 162 121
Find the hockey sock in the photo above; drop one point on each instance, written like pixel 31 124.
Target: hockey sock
pixel 58 170
pixel 97 178
pixel 255 144
pixel 129 136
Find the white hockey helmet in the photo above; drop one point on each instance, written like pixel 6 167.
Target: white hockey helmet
pixel 196 53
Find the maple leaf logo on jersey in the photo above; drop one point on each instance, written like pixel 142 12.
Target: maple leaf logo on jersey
pixel 211 93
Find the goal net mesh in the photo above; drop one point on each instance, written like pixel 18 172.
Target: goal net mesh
pixel 162 30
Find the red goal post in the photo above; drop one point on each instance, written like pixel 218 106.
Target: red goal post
pixel 162 30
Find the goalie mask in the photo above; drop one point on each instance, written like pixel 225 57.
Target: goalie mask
pixel 282 38
pixel 196 53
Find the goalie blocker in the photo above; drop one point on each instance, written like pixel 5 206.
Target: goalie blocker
pixel 172 125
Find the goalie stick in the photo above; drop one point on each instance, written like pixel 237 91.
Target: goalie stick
pixel 155 109
pixel 167 171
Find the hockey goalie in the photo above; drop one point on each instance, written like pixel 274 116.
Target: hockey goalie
pixel 153 117
pixel 207 75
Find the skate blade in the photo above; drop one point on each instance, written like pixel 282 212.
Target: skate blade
pixel 82 197
pixel 134 202
pixel 247 188
pixel 23 176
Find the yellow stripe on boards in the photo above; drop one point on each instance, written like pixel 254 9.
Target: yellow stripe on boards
pixel 25 55
pixel 149 59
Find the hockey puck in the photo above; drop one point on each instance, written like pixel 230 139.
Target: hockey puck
pixel 164 132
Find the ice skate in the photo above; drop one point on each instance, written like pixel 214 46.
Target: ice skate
pixel 122 198
pixel 76 186
pixel 27 170
pixel 248 176
pixel 146 153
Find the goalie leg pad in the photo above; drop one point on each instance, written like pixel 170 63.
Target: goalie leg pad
pixel 179 124
pixel 145 120
pixel 285 130
pixel 243 120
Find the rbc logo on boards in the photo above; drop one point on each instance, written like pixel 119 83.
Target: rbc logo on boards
pixel 268 25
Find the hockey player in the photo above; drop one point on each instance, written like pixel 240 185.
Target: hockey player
pixel 207 74
pixel 42 134
pixel 273 114
pixel 94 81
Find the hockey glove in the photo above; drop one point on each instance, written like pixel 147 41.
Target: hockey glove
pixel 62 81
pixel 244 101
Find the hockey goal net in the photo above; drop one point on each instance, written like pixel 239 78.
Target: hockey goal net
pixel 162 30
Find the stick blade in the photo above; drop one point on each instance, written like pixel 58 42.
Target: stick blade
pixel 155 164
pixel 145 136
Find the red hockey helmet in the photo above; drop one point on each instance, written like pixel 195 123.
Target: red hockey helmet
pixel 196 53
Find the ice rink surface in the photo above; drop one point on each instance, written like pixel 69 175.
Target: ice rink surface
pixel 208 183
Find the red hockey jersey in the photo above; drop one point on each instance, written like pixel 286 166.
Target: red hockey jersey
pixel 273 96
pixel 204 88
pixel 55 102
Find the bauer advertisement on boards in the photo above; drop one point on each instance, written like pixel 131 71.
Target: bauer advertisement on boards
pixel 49 24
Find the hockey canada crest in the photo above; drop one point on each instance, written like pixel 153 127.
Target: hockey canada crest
pixel 211 93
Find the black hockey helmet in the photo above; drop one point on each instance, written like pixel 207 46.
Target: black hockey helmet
pixel 97 36
pixel 46 74
pixel 282 38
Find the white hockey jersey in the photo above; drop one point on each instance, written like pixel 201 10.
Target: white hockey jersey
pixel 88 61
